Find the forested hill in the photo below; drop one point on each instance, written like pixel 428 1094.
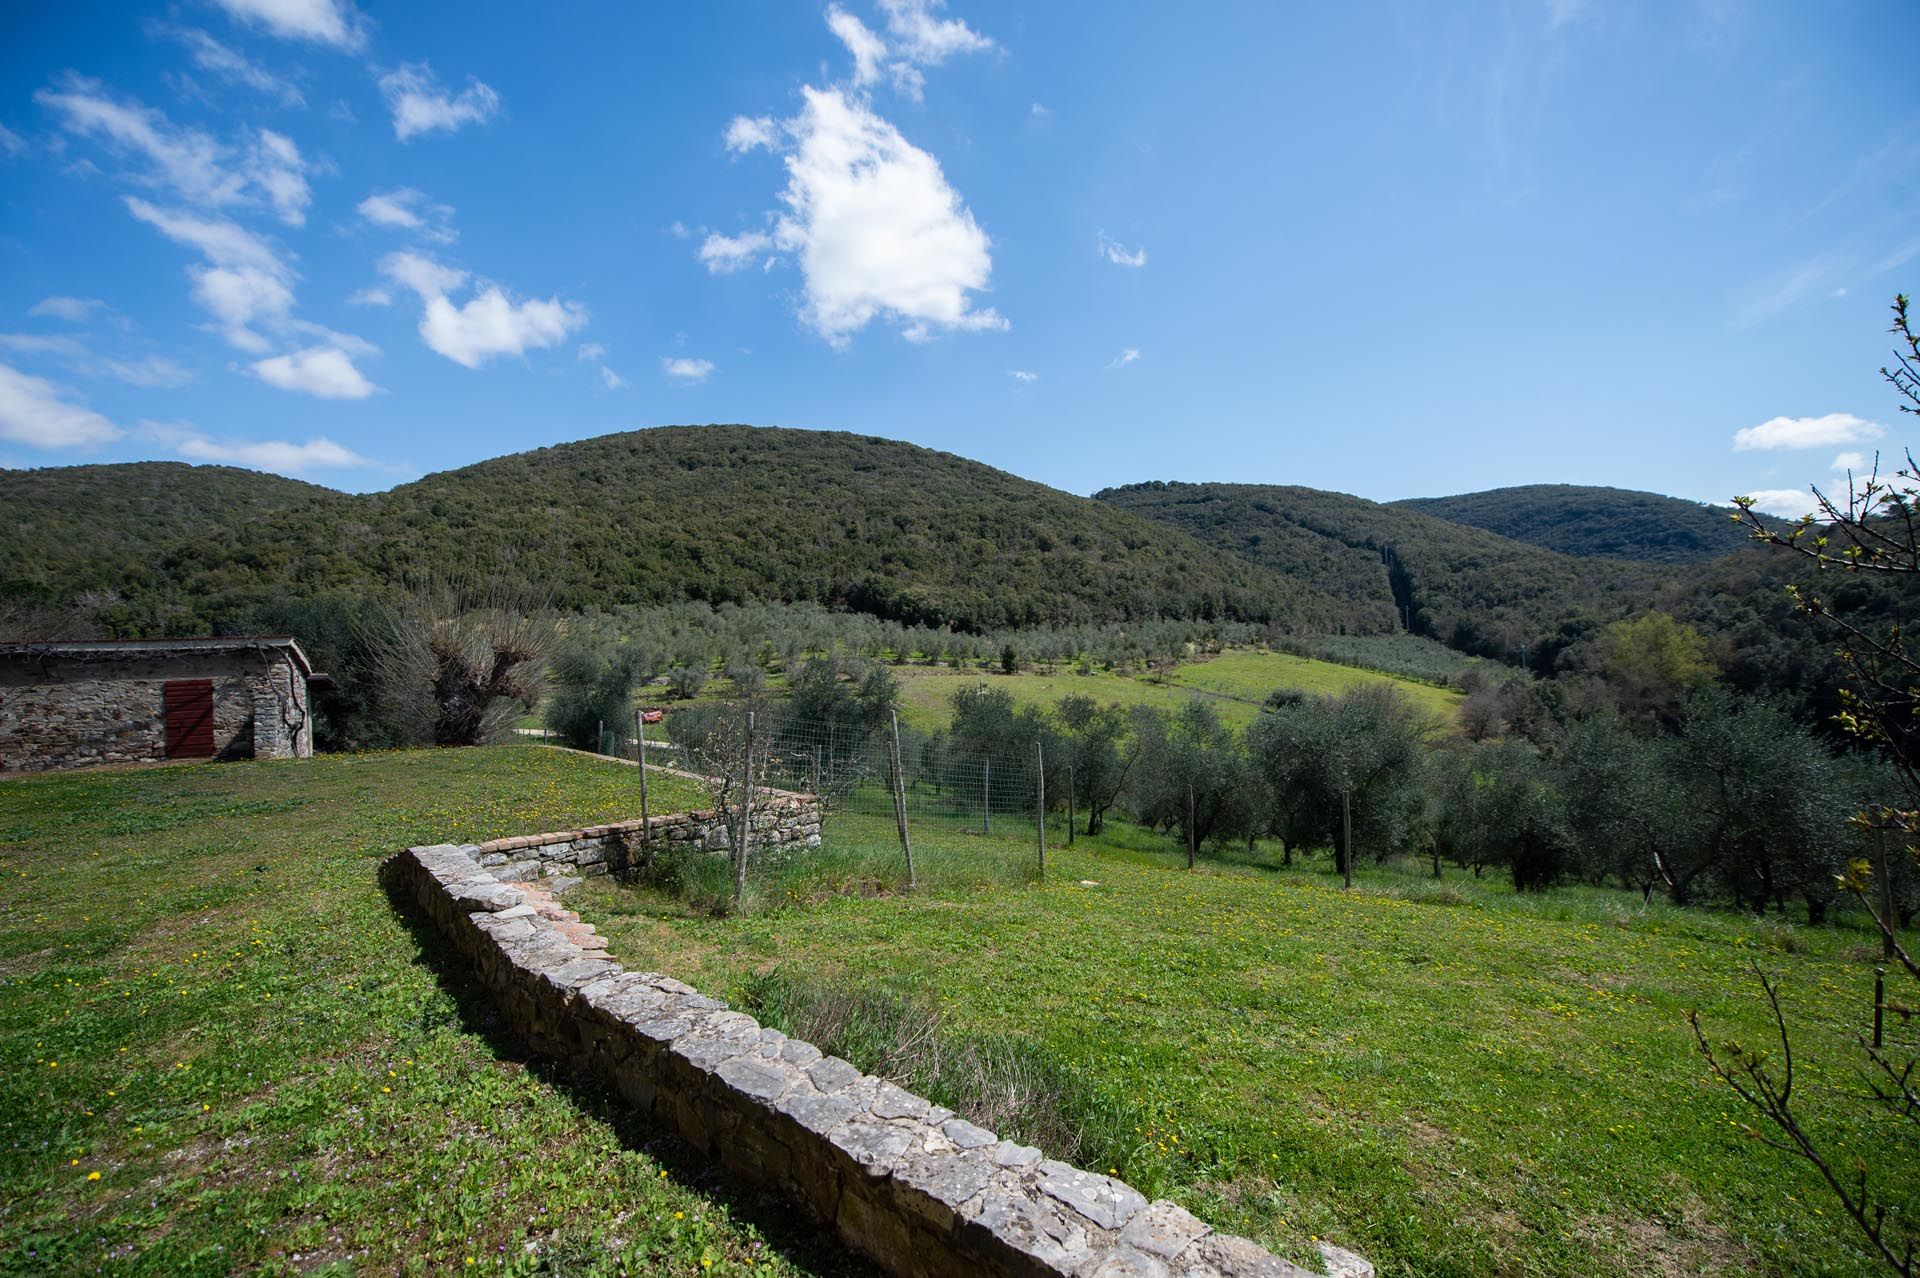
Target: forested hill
pixel 715 513
pixel 1474 590
pixel 1576 519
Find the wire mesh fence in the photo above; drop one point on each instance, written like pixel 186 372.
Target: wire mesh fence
pixel 897 807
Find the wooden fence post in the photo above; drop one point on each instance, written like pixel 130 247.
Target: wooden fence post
pixel 1346 835
pixel 1070 796
pixel 746 818
pixel 646 823
pixel 599 736
pixel 900 795
pixel 1040 803
pixel 1190 841
pixel 986 795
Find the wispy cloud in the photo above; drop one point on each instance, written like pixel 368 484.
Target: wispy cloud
pixel 420 105
pixel 229 65
pixel 610 379
pixel 149 372
pixel 329 22
pixel 406 209
pixel 76 310
pixel 1022 375
pixel 1124 358
pixel 1117 253
pixel 725 254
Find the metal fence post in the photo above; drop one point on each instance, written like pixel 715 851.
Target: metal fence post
pixel 1190 848
pixel 600 736
pixel 1070 797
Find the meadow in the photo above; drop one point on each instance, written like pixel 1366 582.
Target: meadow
pixel 1236 682
pixel 1448 1077
pixel 225 1051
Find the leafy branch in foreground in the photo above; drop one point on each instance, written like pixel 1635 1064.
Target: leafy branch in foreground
pixel 1874 529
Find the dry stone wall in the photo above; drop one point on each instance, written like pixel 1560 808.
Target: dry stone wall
pixel 910 1185
pixel 782 822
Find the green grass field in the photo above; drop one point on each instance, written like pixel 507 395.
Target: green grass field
pixel 1236 681
pixel 1449 1078
pixel 224 1051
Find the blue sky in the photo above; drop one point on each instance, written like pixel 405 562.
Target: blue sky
pixel 1395 250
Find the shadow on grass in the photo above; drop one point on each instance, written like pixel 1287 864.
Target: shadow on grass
pixel 788 1232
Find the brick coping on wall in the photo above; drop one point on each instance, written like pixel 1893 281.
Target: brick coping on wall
pixel 906 1183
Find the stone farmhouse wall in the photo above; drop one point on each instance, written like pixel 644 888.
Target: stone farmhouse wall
pixel 63 712
pixel 910 1185
pixel 783 822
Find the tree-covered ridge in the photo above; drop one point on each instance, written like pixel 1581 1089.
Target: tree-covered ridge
pixel 73 529
pixel 1476 591
pixel 1578 519
pixel 712 513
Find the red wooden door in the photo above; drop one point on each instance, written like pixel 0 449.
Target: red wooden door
pixel 189 718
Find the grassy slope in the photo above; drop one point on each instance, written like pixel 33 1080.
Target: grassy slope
pixel 1237 681
pixel 1501 1086
pixel 207 1001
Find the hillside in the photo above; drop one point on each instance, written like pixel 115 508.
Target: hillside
pixel 714 513
pixel 1576 519
pixel 1473 590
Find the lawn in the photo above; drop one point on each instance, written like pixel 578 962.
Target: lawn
pixel 1451 1079
pixel 1237 682
pixel 224 1052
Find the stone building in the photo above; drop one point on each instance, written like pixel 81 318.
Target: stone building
pixel 76 703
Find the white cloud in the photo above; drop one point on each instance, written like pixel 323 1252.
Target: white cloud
pixel 409 210
pixel 35 412
pixel 1117 253
pixel 725 254
pixel 1022 375
pixel 1124 358
pixel 330 22
pixel 611 379
pixel 687 370
pixel 242 283
pixel 77 310
pixel 373 296
pixel 878 231
pixel 1787 503
pixel 235 68
pixel 420 105
pixel 868 49
pixel 1806 432
pixel 1850 461
pixel 192 163
pixel 923 38
pixel 590 350
pixel 422 274
pixel 744 135
pixel 280 456
pixel 275 166
pixel 10 142
pixel 488 324
pixel 325 371
pixel 186 159
pixel 679 230
pixel 149 372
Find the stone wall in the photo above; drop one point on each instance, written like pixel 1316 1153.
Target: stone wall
pixel 64 712
pixel 783 822
pixel 910 1185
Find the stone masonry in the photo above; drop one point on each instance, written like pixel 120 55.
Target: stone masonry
pixel 782 822
pixel 917 1189
pixel 80 704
